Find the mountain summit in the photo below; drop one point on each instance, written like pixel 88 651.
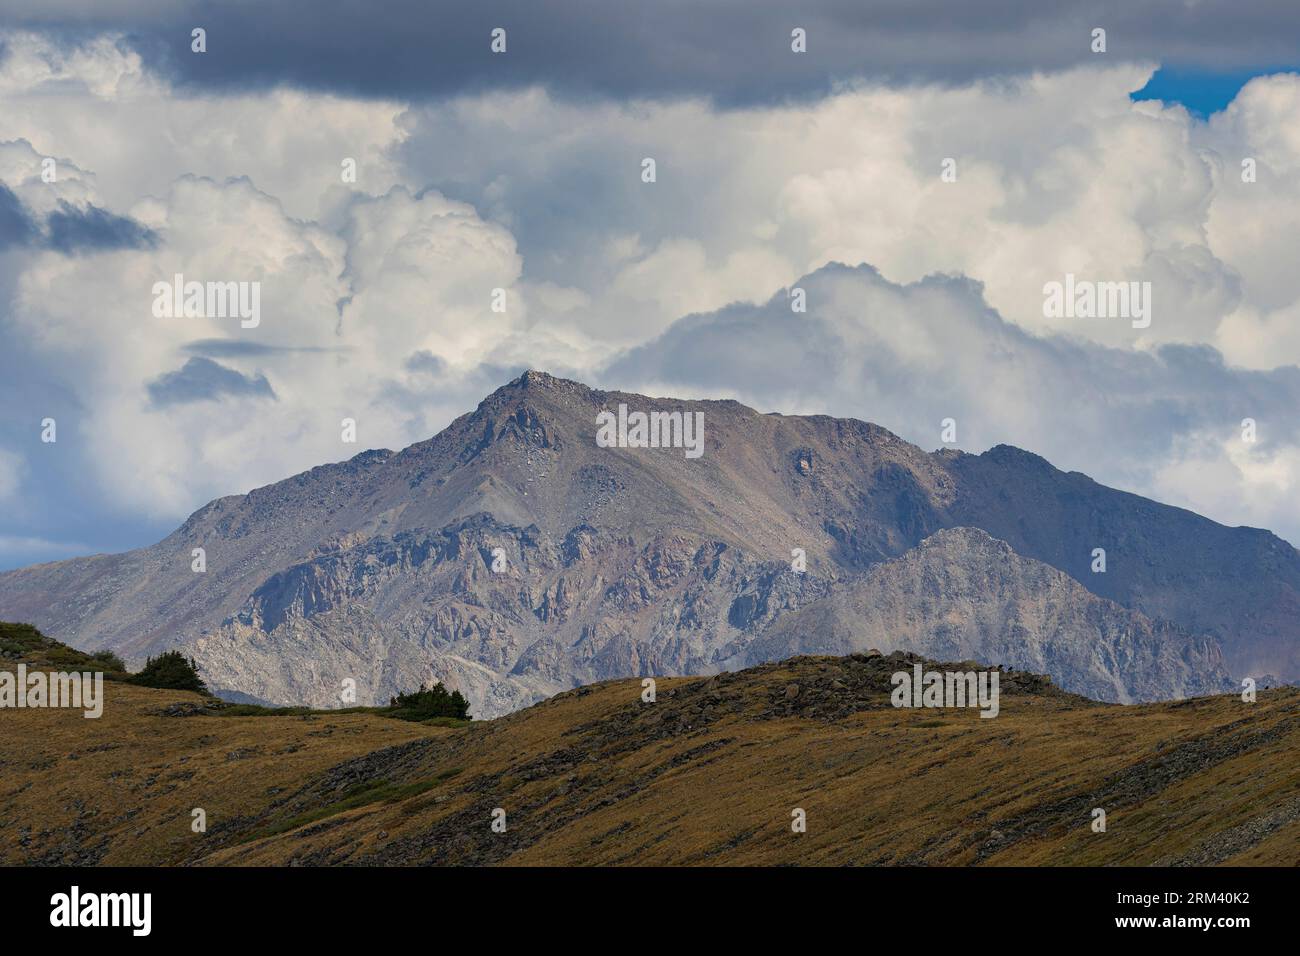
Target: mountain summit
pixel 514 555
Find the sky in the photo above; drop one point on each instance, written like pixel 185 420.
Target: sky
pixel 921 173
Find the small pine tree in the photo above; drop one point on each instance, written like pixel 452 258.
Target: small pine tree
pixel 430 702
pixel 459 705
pixel 170 671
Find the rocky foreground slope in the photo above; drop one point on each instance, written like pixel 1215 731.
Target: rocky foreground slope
pixel 711 772
pixel 513 557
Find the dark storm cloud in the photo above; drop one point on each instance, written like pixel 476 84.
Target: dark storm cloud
pixel 202 379
pixel 91 229
pixel 69 229
pixel 735 51
pixel 16 228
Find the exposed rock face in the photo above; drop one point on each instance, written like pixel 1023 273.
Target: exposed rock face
pixel 1240 584
pixel 963 595
pixel 639 561
pixel 561 613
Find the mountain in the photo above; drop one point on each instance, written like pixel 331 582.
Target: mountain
pixel 617 561
pixel 709 773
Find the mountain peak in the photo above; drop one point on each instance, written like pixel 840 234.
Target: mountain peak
pixel 1013 455
pixel 535 378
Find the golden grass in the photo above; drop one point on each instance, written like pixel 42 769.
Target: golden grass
pixel 122 788
pixel 881 786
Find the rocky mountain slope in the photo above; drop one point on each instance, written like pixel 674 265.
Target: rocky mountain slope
pixel 710 772
pixel 629 561
pixel 963 595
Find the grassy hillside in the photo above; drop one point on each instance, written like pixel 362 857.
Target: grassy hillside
pixel 120 790
pixel 22 642
pixel 708 774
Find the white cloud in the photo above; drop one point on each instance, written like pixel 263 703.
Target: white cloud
pixel 95 104
pixel 1236 481
pixel 100 67
pixel 339 316
pixel 1057 174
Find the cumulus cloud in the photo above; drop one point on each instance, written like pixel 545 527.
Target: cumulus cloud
pixel 68 228
pixel 1056 174
pixel 340 314
pixel 95 103
pixel 157 415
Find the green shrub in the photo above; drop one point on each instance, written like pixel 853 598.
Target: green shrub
pixel 21 639
pixel 108 661
pixel 170 671
pixel 425 704
pixel 23 642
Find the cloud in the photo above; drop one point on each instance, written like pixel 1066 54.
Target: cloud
pixel 1056 174
pixel 426 363
pixel 412 273
pixel 15 226
pixel 95 101
pixel 735 51
pixel 58 212
pixel 202 379
pixel 73 230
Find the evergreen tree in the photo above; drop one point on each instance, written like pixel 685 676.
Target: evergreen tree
pixel 430 702
pixel 170 671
